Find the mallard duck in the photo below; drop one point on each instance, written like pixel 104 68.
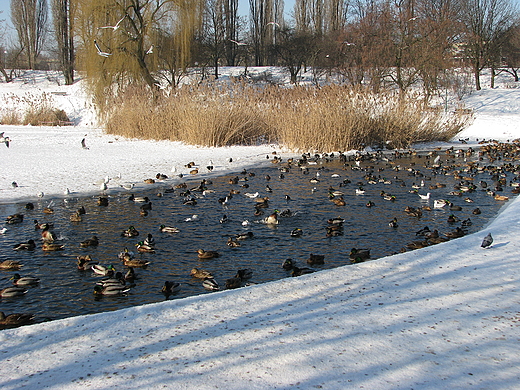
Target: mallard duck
pixel 232 283
pixel 130 232
pixel 75 217
pixel 50 246
pixel 25 280
pixel 116 279
pixel 25 246
pixel 501 197
pixel 161 177
pixel 393 223
pixel 146 206
pixel 125 254
pixel 359 254
pixel 149 240
pixel 29 206
pixel 244 274
pixel 85 263
pixel 207 254
pixel 15 319
pixel 288 264
pixel 102 270
pixel 130 275
pixel 477 211
pixel 336 221
pixel 168 229
pixel 417 244
pixel 111 290
pixel 316 259
pixel 15 218
pixel 94 241
pixel 149 181
pixel 143 248
pixel 47 235
pixel 452 219
pixel 272 219
pixel 10 265
pixel 297 271
pixel 139 199
pixel 102 201
pixel 135 263
pixel 10 292
pixel 339 201
pixel 296 232
pixel 48 210
pixel 210 284
pixel 42 226
pixel 200 274
pixel 458 232
pixel 232 243
pixel 170 287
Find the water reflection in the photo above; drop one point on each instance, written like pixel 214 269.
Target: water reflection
pixel 65 291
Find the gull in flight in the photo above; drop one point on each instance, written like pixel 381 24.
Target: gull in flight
pixel 117 24
pixel 100 52
pixel 274 24
pixel 238 43
pixel 150 50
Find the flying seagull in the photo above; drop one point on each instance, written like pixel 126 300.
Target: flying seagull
pixel 487 241
pixel 100 52
pixel 150 50
pixel 238 43
pixel 117 24
pixel 4 140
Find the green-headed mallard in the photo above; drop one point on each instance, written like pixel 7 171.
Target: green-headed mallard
pixel 130 232
pixel 143 248
pixel 357 255
pixel 94 241
pixel 10 292
pixel 25 280
pixel 50 247
pixel 10 265
pixel 202 254
pixel 168 229
pixel 25 246
pixel 288 264
pixel 111 290
pixel 102 270
pixel 15 319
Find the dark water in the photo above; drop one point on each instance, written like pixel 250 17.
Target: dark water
pixel 64 291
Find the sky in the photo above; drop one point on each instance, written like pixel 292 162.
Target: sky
pixel 443 317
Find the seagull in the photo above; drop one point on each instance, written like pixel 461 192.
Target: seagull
pixel 150 50
pixel 238 43
pixel 273 23
pixel 4 140
pixel 487 241
pixel 117 24
pixel 100 52
pixel 424 197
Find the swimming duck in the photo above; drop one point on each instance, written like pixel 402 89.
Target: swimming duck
pixel 24 280
pixel 210 284
pixel 85 263
pixel 135 262
pixel 47 235
pixel 94 241
pixel 477 211
pixel 48 210
pixel 232 283
pixel 102 201
pixel 149 240
pixel 125 254
pixel 452 219
pixel 201 274
pixel 116 279
pixel 42 226
pixel 336 221
pixel 339 201
pixel 50 247
pixel 111 290
pixel 202 254
pixel 296 232
pixel 244 274
pixel 232 243
pixel 357 255
pixel 75 217
pixel 393 223
pixel 10 265
pixel 138 199
pixel 143 248
pixel 10 292
pixel 170 287
pixel 168 229
pixel 244 236
pixel 15 319
pixel 297 271
pixel 316 259
pixel 130 275
pixel 272 219
pixel 25 246
pixel 288 264
pixel 458 232
pixel 102 270
pixel 15 218
pixel 130 232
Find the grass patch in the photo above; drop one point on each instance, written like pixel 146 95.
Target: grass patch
pixel 302 118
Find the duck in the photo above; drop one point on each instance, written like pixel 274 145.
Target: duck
pixel 14 218
pixel 143 248
pixel 102 270
pixel 170 287
pixel 357 255
pixel 75 217
pixel 130 275
pixel 94 241
pixel 15 319
pixel 297 271
pixel 10 265
pixel 288 264
pixel 47 235
pixel 296 232
pixel 232 283
pixel 25 246
pixel 135 262
pixel 476 211
pixel 24 280
pixel 48 210
pixel 244 274
pixel 130 232
pixel 149 181
pixel 202 254
pixel 232 243
pixel 200 273
pixel 102 201
pixel 113 280
pixel 244 236
pixel 168 229
pixel 458 232
pixel 339 201
pixel 272 219
pixel 85 263
pixel 393 223
pixel 149 240
pixel 111 290
pixel 138 199
pixel 50 247
pixel 125 254
pixel 42 226
pixel 210 284
pixel 424 197
pixel 336 221
pixel 10 292
pixel 316 259
pixel 161 177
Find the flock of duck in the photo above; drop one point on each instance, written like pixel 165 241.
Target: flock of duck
pixel 492 159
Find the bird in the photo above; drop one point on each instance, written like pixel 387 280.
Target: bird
pixel 10 292
pixel 487 241
pixel 150 50
pixel 94 241
pixel 125 254
pixel 149 240
pixel 142 247
pixel 4 140
pixel 9 265
pixel 316 259
pixel 130 232
pixel 210 284
pixel 296 232
pixel 25 246
pixel 116 26
pixel 168 229
pixel 272 219
pixel 135 262
pixel 102 201
pixel 232 283
pixel 103 270
pixel 14 218
pixel 238 43
pixel 15 319
pixel 47 235
pixel 297 271
pixel 111 290
pixel 170 287
pixel 202 254
pixel 24 280
pixel 85 263
pixel 101 52
pixel 50 247
pixel 84 144
pixel 358 255
pixel 200 274
pixel 424 197
pixel 232 243
pixel 244 236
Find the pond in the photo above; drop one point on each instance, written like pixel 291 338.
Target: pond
pixel 65 291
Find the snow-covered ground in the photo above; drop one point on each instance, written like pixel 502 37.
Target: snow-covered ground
pixel 446 316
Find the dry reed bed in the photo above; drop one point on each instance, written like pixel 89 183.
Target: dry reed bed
pixel 302 118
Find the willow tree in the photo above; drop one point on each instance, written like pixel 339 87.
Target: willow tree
pixel 121 41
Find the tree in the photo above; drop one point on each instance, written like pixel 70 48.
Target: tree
pixel 29 18
pixel 63 16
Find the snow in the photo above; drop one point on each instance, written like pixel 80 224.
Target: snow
pixel 445 316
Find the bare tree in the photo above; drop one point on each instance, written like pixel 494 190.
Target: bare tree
pixel 29 18
pixel 266 18
pixel 63 17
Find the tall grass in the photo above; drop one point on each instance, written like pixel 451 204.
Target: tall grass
pixel 304 118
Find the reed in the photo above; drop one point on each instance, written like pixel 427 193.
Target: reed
pixel 302 118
